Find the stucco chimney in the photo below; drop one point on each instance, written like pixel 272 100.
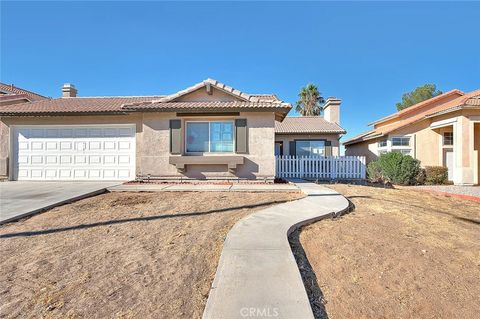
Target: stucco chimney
pixel 69 90
pixel 331 110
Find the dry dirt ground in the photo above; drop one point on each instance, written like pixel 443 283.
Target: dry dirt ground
pixel 400 254
pixel 120 255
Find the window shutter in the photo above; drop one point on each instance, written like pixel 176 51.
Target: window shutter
pixel 241 143
pixel 328 148
pixel 175 136
pixel 292 148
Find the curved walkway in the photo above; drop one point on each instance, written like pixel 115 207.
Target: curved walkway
pixel 257 276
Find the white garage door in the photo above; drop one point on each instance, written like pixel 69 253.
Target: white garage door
pixel 93 152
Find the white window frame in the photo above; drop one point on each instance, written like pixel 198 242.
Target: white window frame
pixel 382 146
pixel 209 122
pixel 402 148
pixel 443 140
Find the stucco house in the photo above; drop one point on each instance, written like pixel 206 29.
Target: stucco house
pixel 441 131
pixel 207 131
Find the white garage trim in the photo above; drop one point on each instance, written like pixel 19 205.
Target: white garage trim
pixel 73 152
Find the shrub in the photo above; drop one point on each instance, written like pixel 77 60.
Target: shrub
pixel 421 176
pixel 374 172
pixel 395 168
pixel 390 165
pixel 408 171
pixel 436 175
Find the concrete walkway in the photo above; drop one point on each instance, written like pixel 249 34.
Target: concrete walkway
pixel 186 187
pixel 257 275
pixel 21 199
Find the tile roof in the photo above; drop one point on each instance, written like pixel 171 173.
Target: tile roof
pixel 159 103
pixel 10 89
pixel 74 105
pixel 416 107
pixel 464 100
pixel 307 125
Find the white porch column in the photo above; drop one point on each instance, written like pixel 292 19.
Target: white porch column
pixel 463 173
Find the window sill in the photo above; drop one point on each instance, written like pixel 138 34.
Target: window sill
pixel 181 162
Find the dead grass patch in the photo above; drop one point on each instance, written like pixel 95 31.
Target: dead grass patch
pixel 400 254
pixel 120 255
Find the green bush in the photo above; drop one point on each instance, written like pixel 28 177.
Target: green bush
pixel 374 172
pixel 408 172
pixel 395 168
pixel 436 175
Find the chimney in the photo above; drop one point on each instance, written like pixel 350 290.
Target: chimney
pixel 331 110
pixel 69 90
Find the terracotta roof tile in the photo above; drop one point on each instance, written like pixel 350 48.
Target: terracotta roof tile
pixel 13 90
pixel 307 125
pixel 74 105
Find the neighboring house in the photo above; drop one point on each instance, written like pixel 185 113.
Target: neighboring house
pixel 444 130
pixel 10 94
pixel 207 131
pixel 310 135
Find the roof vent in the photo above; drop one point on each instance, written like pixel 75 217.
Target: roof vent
pixel 69 90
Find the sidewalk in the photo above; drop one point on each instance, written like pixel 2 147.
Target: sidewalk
pixel 257 276
pixel 205 188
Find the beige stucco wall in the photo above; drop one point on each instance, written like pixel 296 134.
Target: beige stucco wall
pixel 153 143
pixel 427 144
pixel 368 149
pixel 287 138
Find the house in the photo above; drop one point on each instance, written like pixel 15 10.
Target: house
pixel 207 131
pixel 441 131
pixel 10 94
pixel 310 135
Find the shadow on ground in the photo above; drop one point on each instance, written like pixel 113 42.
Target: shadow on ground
pixel 135 219
pixel 315 294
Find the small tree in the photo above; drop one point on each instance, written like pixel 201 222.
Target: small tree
pixel 418 95
pixel 310 101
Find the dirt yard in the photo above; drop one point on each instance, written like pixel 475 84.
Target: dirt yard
pixel 400 254
pixel 120 255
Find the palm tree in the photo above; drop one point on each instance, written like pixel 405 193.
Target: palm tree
pixel 310 102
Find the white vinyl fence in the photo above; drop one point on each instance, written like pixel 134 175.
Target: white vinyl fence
pixel 330 167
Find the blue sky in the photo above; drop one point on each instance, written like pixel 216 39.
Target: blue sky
pixel 366 53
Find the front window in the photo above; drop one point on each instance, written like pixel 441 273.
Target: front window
pixel 382 143
pixel 448 138
pixel 401 141
pixel 310 148
pixel 209 137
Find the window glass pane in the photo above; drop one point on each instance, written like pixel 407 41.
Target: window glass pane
pixel 382 143
pixel 221 137
pixel 317 148
pixel 401 141
pixel 197 137
pixel 448 138
pixel 310 148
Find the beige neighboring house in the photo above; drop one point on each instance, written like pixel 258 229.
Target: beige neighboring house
pixel 10 94
pixel 311 135
pixel 441 131
pixel 207 131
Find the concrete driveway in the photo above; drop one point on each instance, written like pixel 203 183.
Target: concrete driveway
pixel 21 199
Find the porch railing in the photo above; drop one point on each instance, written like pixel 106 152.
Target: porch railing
pixel 326 168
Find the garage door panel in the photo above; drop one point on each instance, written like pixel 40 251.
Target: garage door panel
pixel 98 152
